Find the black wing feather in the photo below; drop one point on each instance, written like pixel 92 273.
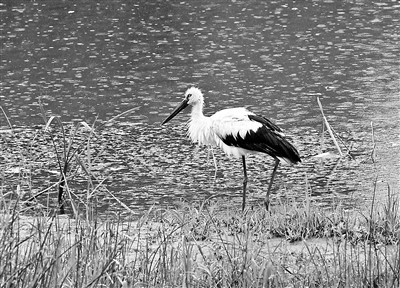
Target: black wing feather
pixel 266 139
pixel 265 122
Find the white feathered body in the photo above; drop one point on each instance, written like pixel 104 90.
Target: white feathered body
pixel 210 130
pixel 233 122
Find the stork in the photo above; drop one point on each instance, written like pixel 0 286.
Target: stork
pixel 238 132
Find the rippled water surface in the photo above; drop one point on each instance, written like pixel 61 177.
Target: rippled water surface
pixel 91 60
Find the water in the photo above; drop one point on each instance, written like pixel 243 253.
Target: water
pixel 89 61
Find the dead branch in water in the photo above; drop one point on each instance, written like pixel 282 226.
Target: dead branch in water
pixel 328 127
pixel 373 155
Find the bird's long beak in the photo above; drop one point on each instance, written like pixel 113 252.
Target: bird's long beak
pixel 178 109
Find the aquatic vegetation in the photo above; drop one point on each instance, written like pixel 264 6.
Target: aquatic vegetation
pixel 209 244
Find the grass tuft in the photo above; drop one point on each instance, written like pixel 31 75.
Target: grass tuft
pixel 207 245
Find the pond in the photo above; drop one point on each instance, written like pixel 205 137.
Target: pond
pixel 92 60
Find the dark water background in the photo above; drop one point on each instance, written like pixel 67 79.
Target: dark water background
pixel 91 60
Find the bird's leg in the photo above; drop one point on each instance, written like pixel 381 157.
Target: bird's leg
pixel 215 163
pixel 210 150
pixel 266 202
pixel 244 182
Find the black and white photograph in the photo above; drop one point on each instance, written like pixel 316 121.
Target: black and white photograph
pixel 199 143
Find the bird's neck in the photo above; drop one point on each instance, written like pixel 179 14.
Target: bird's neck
pixel 200 127
pixel 197 111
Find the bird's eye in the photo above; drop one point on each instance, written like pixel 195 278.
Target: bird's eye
pixel 188 96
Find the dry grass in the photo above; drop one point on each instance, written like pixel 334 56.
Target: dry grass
pixel 204 246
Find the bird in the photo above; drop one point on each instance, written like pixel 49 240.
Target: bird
pixel 238 132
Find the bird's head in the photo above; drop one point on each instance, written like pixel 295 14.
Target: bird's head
pixel 193 96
